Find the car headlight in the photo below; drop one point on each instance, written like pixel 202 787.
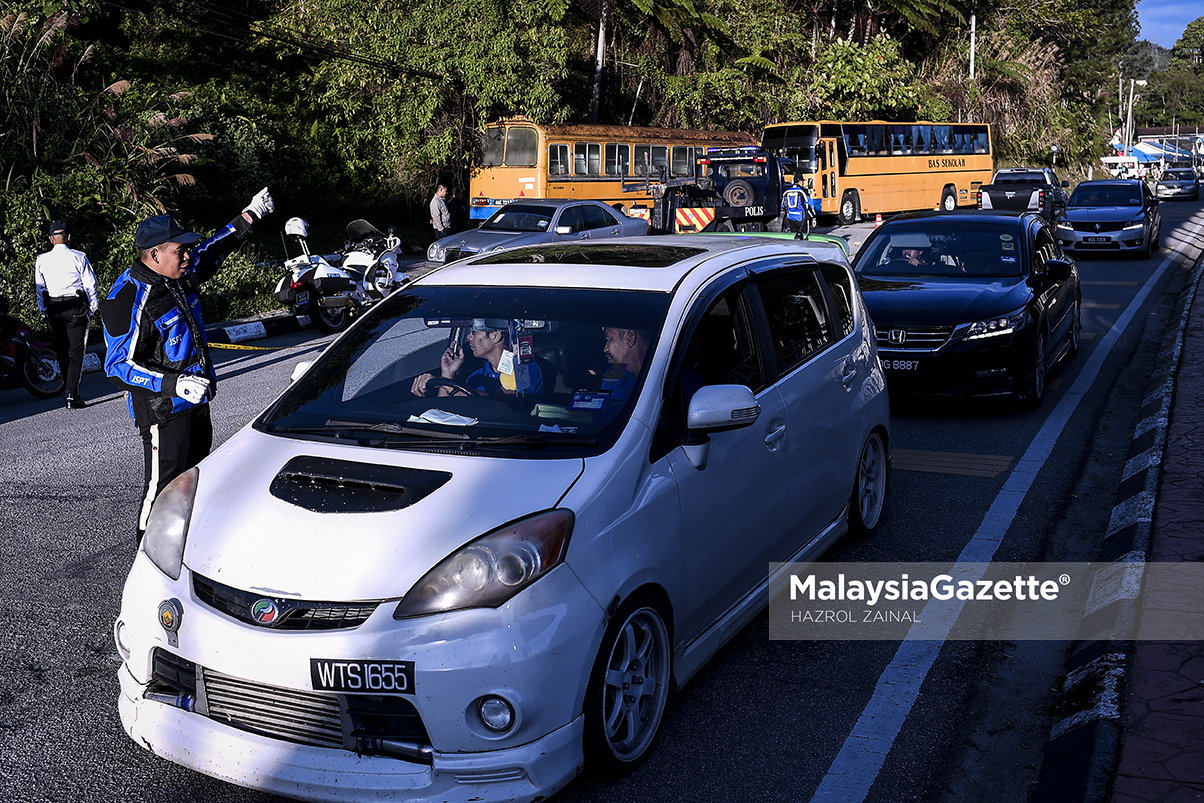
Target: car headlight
pixel 436 253
pixel 1133 225
pixel 167 528
pixel 493 568
pixel 994 327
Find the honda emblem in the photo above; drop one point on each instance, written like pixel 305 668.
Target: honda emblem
pixel 897 337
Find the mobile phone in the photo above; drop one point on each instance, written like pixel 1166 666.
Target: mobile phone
pixel 455 341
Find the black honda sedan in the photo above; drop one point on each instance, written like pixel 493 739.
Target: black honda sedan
pixel 975 303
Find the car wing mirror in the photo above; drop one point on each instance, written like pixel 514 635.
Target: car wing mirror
pixel 1056 269
pixel 564 229
pixel 717 408
pixel 299 370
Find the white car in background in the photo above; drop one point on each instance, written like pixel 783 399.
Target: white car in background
pixel 367 594
pixel 538 220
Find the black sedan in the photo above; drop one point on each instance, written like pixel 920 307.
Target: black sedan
pixel 971 303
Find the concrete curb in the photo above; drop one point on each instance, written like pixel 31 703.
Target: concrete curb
pixel 1083 748
pixel 228 332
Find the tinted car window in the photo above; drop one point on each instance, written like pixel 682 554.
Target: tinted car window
pixel 571 217
pixel 1106 196
pixel 797 313
pixel 520 217
pixel 596 217
pixel 943 249
pixel 841 290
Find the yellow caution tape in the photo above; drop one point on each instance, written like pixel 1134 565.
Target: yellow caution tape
pixel 240 346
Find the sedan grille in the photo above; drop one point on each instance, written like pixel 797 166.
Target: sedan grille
pixel 919 339
pixel 293 614
pixel 459 253
pixel 1091 227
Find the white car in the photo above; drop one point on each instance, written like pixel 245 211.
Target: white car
pixel 368 594
pixel 534 221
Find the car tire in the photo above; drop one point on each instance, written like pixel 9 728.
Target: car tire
pixel 850 203
pixel 739 193
pixel 869 489
pixel 628 688
pixel 1036 392
pixel 328 320
pixel 1076 329
pixel 1157 244
pixel 949 200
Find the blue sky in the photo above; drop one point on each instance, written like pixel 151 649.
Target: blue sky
pixel 1163 21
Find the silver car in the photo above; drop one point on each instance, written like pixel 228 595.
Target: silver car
pixel 1111 215
pixel 1178 182
pixel 543 220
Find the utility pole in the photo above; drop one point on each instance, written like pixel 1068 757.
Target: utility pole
pixel 973 29
pixel 593 114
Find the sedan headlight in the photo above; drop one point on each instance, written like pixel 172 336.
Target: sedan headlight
pixel 167 528
pixel 436 253
pixel 994 327
pixel 493 568
pixel 1133 225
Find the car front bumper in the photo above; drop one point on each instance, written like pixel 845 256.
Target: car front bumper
pixel 536 651
pixel 1163 192
pixel 988 367
pixel 1132 240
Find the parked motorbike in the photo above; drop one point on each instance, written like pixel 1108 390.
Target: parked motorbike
pixel 370 258
pixel 312 286
pixel 32 363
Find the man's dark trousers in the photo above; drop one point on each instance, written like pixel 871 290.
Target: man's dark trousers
pixel 68 328
pixel 169 449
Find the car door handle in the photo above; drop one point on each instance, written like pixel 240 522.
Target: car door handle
pixel 775 435
pixel 850 373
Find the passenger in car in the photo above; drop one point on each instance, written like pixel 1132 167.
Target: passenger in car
pixel 489 340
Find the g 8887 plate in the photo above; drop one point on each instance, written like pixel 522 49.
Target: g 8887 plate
pixel 364 677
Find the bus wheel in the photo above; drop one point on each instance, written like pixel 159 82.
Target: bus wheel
pixel 949 199
pixel 849 204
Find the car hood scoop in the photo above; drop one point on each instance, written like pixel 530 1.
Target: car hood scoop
pixel 324 485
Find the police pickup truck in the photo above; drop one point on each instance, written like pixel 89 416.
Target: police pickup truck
pixel 1033 189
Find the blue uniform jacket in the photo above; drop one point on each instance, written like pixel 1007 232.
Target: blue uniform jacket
pixel 154 331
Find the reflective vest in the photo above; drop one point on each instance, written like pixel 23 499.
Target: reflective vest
pixel 796 201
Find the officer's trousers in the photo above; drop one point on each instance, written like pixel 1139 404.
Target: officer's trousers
pixel 170 449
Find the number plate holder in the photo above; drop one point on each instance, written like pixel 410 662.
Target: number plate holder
pixel 1097 239
pixel 362 676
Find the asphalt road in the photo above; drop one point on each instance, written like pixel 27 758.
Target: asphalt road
pixel 764 720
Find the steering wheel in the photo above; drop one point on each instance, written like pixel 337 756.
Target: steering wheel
pixel 438 381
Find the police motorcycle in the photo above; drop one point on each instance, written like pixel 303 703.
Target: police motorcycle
pixel 312 286
pixel 370 259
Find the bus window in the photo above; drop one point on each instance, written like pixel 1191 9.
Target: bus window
pixel 618 160
pixel 874 137
pixel 655 155
pixel 982 141
pixel 683 160
pixel 492 144
pixel 587 159
pixel 941 132
pixel 558 160
pixel 522 147
pixel 921 136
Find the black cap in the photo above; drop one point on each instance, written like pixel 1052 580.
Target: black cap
pixel 59 227
pixel 162 229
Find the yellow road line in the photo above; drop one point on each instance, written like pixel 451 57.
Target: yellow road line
pixel 240 346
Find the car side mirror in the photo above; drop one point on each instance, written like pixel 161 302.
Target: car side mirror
pixel 717 408
pixel 564 229
pixel 1057 269
pixel 1065 183
pixel 299 370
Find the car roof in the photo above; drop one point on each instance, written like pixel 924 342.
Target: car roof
pixel 552 202
pixel 1111 182
pixel 668 259
pixel 963 215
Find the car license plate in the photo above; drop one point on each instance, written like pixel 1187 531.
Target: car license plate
pixel 365 677
pixel 1097 239
pixel 901 365
pixel 302 298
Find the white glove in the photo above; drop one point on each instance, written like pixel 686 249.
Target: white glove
pixel 192 389
pixel 261 205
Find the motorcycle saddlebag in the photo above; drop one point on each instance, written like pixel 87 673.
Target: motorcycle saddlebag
pixel 331 284
pixel 285 294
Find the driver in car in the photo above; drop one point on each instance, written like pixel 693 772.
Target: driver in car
pixel 488 340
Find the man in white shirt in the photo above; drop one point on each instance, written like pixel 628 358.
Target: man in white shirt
pixel 440 215
pixel 66 295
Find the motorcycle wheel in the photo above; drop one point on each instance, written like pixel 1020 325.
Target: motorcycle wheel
pixel 330 320
pixel 40 374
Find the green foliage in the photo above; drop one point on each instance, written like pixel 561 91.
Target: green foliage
pixel 243 287
pixel 855 82
pixel 1188 51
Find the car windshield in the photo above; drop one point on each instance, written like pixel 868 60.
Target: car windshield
pixel 1178 175
pixel 527 372
pixel 521 217
pixel 986 250
pixel 1106 196
pixel 1021 178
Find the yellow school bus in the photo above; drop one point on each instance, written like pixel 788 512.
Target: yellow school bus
pixel 854 169
pixel 518 158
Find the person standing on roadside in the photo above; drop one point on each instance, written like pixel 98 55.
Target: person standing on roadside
pixel 458 210
pixel 66 295
pixel 155 341
pixel 440 214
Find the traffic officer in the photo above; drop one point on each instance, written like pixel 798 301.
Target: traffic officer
pixel 155 342
pixel 797 201
pixel 66 295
